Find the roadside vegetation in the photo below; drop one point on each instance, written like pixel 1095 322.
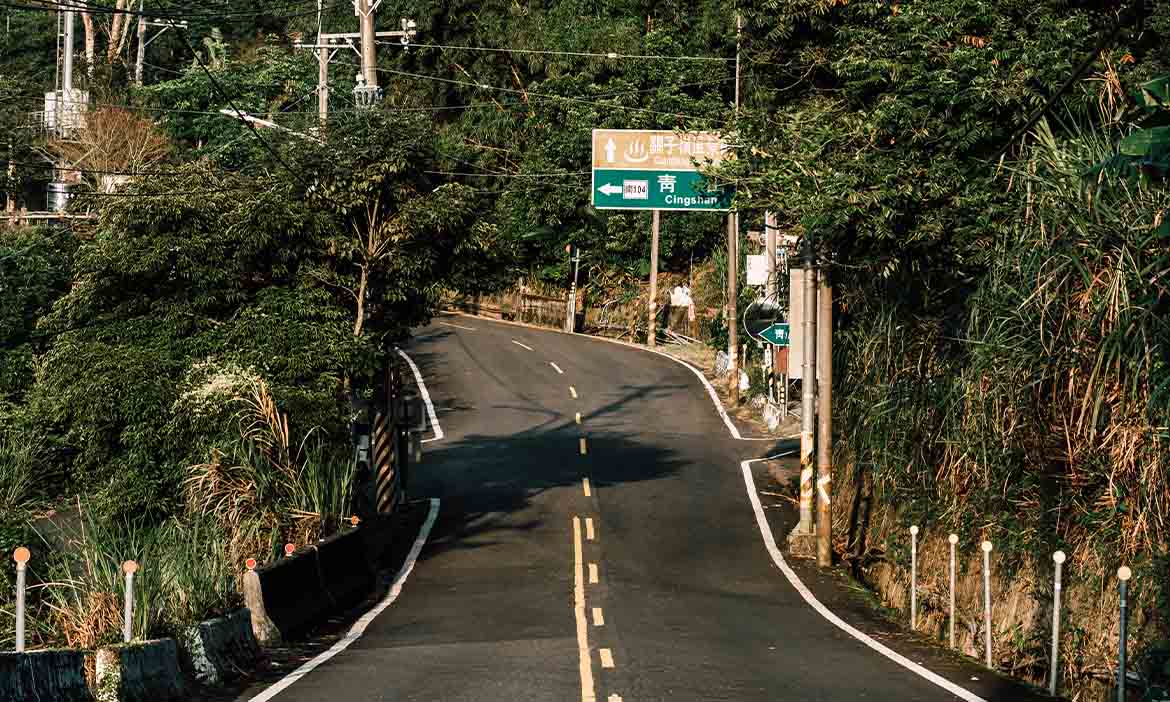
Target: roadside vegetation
pixel 993 219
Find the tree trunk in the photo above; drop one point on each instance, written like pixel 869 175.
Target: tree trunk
pixel 361 302
pixel 90 42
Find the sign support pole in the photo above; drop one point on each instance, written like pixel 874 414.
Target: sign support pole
pixel 651 332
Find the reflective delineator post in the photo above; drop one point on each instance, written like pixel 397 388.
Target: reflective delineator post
pixel 914 577
pixel 129 568
pixel 288 550
pixel 1058 559
pixel 1123 575
pixel 953 539
pixel 987 601
pixel 21 556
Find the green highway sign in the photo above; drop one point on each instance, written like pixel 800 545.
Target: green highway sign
pixel 615 189
pixel 646 169
pixel 777 334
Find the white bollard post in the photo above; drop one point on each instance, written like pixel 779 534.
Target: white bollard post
pixel 987 600
pixel 21 556
pixel 914 577
pixel 129 568
pixel 1058 558
pixel 953 539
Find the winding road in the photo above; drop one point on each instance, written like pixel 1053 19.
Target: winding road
pixel 599 536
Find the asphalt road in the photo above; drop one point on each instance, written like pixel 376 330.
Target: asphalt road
pixel 614 555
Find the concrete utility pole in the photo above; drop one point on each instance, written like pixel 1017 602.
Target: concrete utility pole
pixel 808 384
pixel 369 58
pixel 67 72
pixel 143 42
pixel 138 62
pixel 328 44
pixel 651 332
pixel 825 424
pixel 733 262
pixel 323 56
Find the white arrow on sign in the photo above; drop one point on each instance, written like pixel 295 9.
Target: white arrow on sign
pixel 610 150
pixel 609 189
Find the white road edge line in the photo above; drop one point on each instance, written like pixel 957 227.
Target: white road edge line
pixel 359 627
pixel 556 368
pixel 586 662
pixel 526 346
pixel 426 398
pixel 457 326
pixel 812 601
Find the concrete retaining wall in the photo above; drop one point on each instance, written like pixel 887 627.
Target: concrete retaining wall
pixel 219 650
pixel 44 676
pixel 143 671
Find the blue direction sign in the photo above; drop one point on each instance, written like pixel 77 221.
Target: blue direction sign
pixel 639 169
pixel 776 334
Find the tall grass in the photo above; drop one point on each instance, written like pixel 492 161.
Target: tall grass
pixel 265 490
pixel 1035 410
pixel 18 458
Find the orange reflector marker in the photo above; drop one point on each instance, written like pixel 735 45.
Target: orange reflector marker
pixel 250 564
pixel 21 555
pixel 354 521
pixel 288 550
pixel 129 567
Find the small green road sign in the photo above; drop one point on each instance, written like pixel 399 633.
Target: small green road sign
pixel 777 334
pixel 615 189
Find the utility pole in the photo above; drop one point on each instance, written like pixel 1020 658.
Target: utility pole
pixel 67 78
pixel 651 332
pixel 733 262
pixel 141 44
pixel 367 92
pixel 323 56
pixel 808 384
pixel 825 424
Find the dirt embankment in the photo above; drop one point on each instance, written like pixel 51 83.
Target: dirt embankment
pixel 876 542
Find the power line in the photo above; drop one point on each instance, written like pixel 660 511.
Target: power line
pixel 512 175
pixel 550 96
pixel 105 10
pixel 545 52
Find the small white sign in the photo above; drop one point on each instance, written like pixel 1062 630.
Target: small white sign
pixel 757 269
pixel 635 190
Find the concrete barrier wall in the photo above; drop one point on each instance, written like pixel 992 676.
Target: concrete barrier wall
pixel 221 649
pixel 142 671
pixel 290 596
pixel 44 676
pixel 347 574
